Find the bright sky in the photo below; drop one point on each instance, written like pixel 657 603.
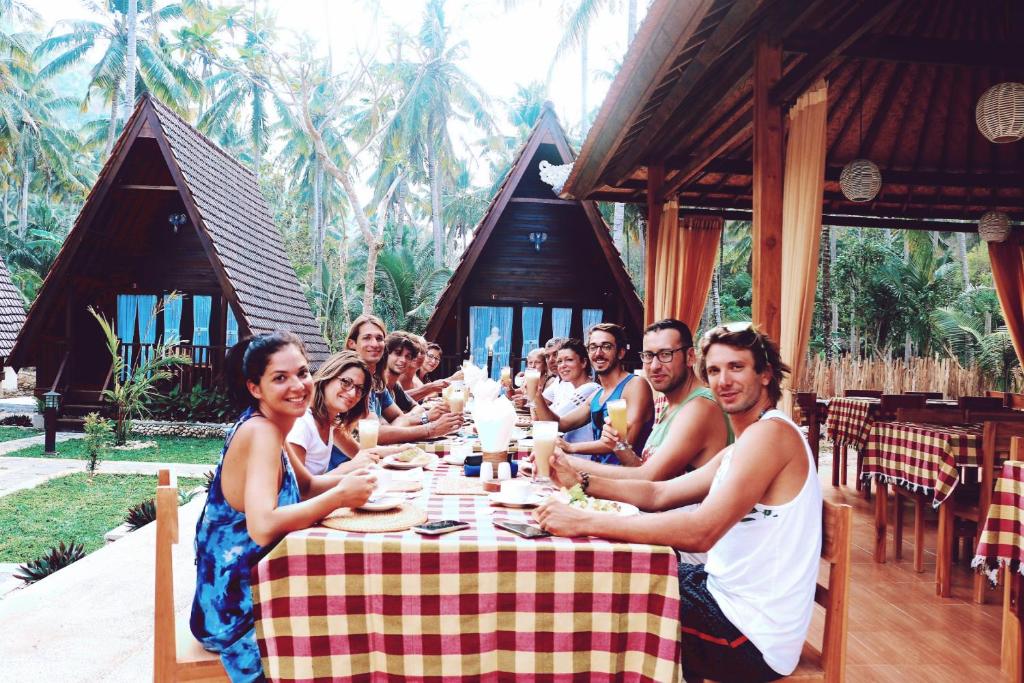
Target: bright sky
pixel 506 47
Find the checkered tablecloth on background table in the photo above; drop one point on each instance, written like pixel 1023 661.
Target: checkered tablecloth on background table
pixel 921 457
pixel 1002 538
pixel 476 605
pixel 849 421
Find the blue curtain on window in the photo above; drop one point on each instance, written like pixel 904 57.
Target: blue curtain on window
pixel 127 305
pixel 201 306
pixel 591 317
pixel 172 319
pixel 231 333
pixel 561 320
pixel 147 325
pixel 501 318
pixel 479 328
pixel 531 331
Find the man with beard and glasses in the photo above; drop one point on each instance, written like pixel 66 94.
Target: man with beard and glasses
pixel 692 427
pixel 744 614
pixel 606 349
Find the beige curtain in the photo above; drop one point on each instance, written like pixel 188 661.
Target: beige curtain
pixel 803 187
pixel 1008 274
pixel 685 265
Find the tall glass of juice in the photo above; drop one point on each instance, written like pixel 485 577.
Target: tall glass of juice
pixel 544 435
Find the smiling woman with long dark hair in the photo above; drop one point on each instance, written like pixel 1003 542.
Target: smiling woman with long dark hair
pixel 260 491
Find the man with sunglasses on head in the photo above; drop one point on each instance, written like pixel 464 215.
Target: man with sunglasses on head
pixel 691 430
pixel 745 613
pixel 606 349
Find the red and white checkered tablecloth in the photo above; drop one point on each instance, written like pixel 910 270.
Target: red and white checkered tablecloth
pixel 477 605
pixel 921 457
pixel 849 420
pixel 1002 539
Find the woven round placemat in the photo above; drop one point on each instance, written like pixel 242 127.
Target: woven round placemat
pixel 405 486
pixel 399 519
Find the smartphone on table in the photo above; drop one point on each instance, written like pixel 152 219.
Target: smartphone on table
pixel 524 530
pixel 443 526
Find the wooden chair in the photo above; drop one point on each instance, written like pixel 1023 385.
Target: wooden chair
pixel 980 402
pixel 973 508
pixel 808 403
pixel 829 664
pixel 177 655
pixel 890 403
pixel 862 393
pixel 929 395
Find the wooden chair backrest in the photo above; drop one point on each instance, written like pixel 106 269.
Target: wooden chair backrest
pixel 807 401
pixel 980 402
pixel 836 535
pixel 996 415
pixel 862 393
pixel 926 394
pixel 1017 448
pixel 890 403
pixel 939 415
pixel 164 645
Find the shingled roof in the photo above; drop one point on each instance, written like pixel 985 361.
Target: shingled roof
pixel 224 203
pixel 12 312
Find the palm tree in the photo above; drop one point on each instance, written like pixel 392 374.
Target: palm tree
pixel 435 92
pixel 408 287
pixel 242 93
pixel 156 71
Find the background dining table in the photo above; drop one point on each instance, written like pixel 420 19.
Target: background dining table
pixel 476 605
pixel 1001 546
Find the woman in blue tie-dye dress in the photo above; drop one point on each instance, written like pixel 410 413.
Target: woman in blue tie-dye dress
pixel 259 493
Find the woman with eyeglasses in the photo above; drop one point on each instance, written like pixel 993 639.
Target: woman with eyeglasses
pixel 260 491
pixel 322 437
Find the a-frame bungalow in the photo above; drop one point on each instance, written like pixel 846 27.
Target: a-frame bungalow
pixel 176 244
pixel 537 267
pixel 12 317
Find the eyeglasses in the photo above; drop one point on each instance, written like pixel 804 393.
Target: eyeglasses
pixel 606 347
pixel 433 357
pixel 348 386
pixel 663 356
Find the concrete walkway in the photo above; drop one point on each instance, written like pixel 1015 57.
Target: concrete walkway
pixel 93 621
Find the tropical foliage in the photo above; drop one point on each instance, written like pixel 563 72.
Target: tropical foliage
pixel 378 170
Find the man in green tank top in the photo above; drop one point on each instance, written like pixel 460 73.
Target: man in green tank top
pixel 692 427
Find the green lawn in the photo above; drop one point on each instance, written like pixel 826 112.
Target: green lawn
pixel 12 433
pixel 176 449
pixel 69 509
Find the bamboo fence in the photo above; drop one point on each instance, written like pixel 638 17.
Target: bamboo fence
pixel 895 376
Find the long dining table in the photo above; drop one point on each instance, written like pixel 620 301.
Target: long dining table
pixel 476 605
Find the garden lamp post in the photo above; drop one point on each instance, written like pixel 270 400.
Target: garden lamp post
pixel 51 401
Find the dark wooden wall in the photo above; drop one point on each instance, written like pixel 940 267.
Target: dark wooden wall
pixel 568 271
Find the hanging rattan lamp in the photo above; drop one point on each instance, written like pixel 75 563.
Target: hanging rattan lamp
pixel 860 180
pixel 1000 112
pixel 994 226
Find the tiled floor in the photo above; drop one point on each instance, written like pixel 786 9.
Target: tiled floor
pixel 899 630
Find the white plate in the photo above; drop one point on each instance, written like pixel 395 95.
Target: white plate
pixel 455 460
pixel 506 500
pixel 383 503
pixel 394 463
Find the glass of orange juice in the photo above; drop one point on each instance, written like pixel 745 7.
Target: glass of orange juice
pixel 617 418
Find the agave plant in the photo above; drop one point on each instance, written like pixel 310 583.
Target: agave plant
pixel 140 515
pixel 55 558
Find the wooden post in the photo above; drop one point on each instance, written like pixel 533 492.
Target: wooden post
pixel 655 180
pixel 767 200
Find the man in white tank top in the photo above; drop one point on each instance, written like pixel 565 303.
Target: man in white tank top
pixel 745 613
